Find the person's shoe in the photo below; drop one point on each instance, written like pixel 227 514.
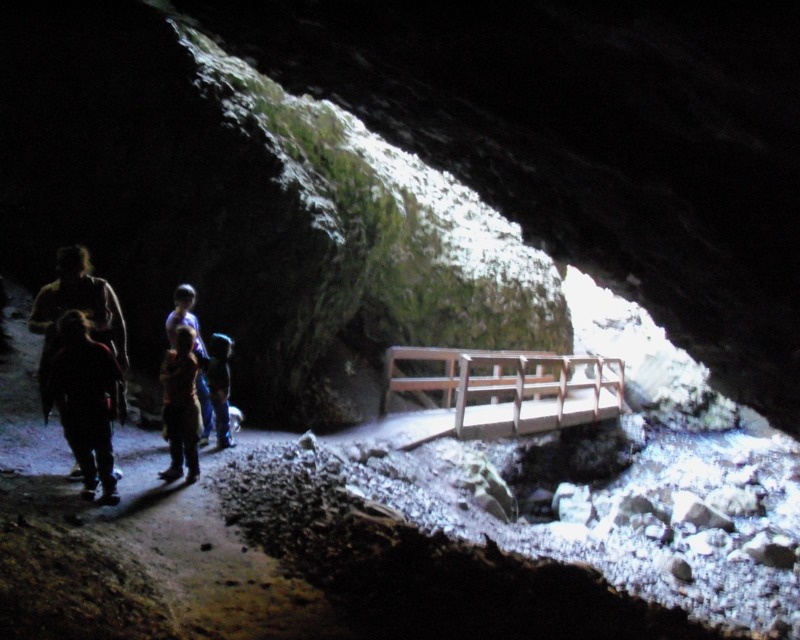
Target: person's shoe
pixel 109 498
pixel 117 473
pixel 75 474
pixel 226 444
pixel 171 474
pixel 87 494
pixel 192 478
pixel 203 442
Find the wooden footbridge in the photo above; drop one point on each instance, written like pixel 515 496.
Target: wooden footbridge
pixel 493 394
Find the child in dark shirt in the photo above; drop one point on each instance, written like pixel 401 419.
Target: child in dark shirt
pixel 218 376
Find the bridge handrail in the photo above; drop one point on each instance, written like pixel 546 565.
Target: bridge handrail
pixel 447 382
pixel 604 378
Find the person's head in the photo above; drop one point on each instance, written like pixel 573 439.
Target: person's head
pixel 73 262
pixel 184 296
pixel 221 346
pixel 184 339
pixel 73 326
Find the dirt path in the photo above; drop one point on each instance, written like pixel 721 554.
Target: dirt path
pixel 211 584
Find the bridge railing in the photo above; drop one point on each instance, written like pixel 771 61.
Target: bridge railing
pixel 557 381
pixel 395 381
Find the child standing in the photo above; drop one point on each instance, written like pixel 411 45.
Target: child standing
pixel 185 297
pixel 181 406
pixel 219 382
pixel 83 383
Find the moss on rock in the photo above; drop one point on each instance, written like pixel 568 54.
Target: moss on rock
pixel 364 229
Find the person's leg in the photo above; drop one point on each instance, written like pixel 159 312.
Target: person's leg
pixel 206 408
pixel 104 453
pixel 192 458
pixel 176 456
pixel 172 419
pixel 81 446
pixel 223 422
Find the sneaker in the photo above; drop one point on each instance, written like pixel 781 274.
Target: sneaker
pixel 192 478
pixel 87 494
pixel 226 444
pixel 171 474
pixel 203 442
pixel 75 474
pixel 110 498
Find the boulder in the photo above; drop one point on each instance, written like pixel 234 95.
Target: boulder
pixel 678 568
pixel 708 542
pixel 573 503
pixel 733 501
pixel 490 504
pixel 773 552
pixel 629 504
pixel 688 507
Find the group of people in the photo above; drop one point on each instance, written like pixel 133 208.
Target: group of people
pixel 82 373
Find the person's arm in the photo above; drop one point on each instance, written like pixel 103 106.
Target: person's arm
pixel 42 315
pixel 55 386
pixel 118 328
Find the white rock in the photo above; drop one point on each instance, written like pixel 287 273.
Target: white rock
pixel 746 475
pixel 565 489
pixel 490 504
pixel 738 556
pixel 708 542
pixel 603 528
pixel 308 441
pixel 659 532
pixel 733 501
pixel 688 507
pixel 769 552
pixel 570 531
pixel 575 510
pixel 573 503
pixel 630 504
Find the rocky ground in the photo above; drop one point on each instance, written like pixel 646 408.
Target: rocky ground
pixel 298 502
pixel 338 536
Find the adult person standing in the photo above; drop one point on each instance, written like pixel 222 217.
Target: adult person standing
pixel 184 298
pixel 76 288
pixel 83 380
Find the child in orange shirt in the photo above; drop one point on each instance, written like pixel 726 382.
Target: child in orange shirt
pixel 181 407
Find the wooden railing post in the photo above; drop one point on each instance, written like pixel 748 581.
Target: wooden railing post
pixel 497 371
pixel 388 364
pixel 450 372
pixel 522 365
pixel 562 391
pixel 463 384
pixel 598 381
pixel 539 374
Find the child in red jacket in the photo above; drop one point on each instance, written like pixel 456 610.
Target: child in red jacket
pixel 83 383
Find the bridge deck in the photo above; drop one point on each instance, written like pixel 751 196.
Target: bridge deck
pixel 408 430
